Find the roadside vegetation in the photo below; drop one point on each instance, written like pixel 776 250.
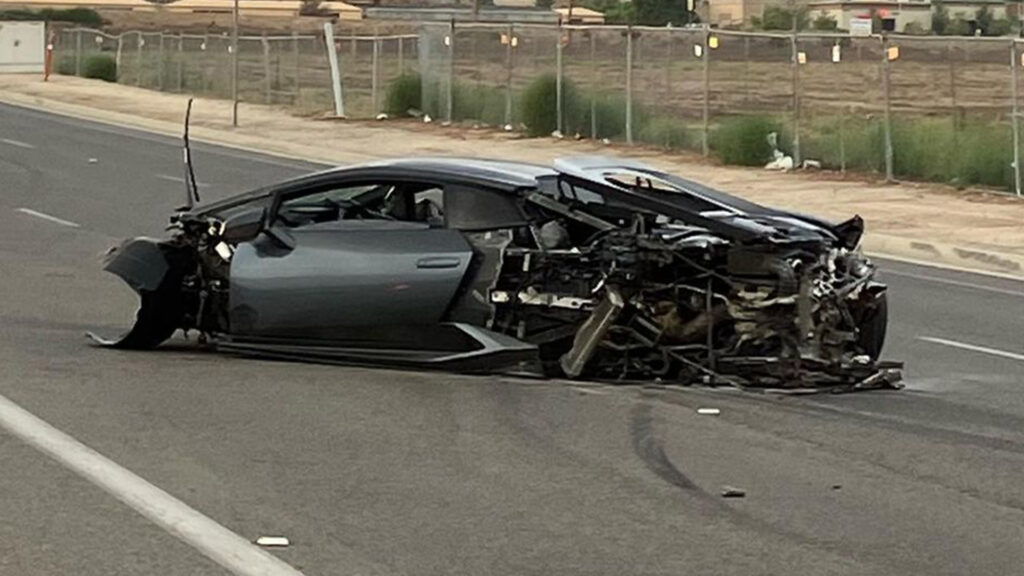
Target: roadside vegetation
pixel 100 67
pixel 83 16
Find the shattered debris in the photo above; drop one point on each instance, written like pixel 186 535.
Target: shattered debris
pixel 732 492
pixel 273 541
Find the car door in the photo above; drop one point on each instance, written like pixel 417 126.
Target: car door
pixel 344 279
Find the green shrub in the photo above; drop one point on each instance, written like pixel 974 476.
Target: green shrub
pixel 66 65
pixel 538 106
pixel 664 131
pixel 85 16
pixel 743 140
pixel 925 149
pixel 404 93
pixel 478 102
pixel 100 67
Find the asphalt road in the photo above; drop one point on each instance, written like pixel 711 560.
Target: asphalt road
pixel 392 472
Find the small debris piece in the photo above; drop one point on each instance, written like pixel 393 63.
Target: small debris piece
pixel 273 541
pixel 708 411
pixel 812 165
pixel 837 486
pixel 382 116
pixel 557 134
pixel 93 160
pixel 732 492
pixel 508 127
pixel 427 119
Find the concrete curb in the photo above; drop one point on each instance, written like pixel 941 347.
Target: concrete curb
pixel 933 253
pixel 972 259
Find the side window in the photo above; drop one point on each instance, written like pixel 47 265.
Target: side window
pixel 472 208
pixel 401 201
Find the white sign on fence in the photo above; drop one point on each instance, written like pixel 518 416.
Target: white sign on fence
pixel 22 46
pixel 860 26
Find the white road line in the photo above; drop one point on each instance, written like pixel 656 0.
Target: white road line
pixel 180 180
pixel 973 348
pixel 53 219
pixel 215 541
pixel 958 283
pixel 17 143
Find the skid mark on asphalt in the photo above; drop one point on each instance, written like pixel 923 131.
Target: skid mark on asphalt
pixel 973 348
pixel 49 218
pixel 17 143
pixel 192 527
pixel 650 450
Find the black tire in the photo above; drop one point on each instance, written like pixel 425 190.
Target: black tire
pixel 873 324
pixel 158 317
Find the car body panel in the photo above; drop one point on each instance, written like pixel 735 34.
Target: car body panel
pixel 344 275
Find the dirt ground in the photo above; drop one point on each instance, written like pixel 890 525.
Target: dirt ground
pixel 925 217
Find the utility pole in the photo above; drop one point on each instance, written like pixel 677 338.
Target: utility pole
pixel 234 64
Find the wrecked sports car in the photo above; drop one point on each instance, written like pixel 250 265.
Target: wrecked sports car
pixel 593 268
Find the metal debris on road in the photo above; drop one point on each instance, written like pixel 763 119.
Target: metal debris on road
pixel 273 541
pixel 731 492
pixel 708 411
pixel 93 160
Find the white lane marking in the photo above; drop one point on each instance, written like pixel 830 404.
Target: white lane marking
pixel 17 143
pixel 180 180
pixel 215 541
pixel 958 283
pixel 53 219
pixel 973 348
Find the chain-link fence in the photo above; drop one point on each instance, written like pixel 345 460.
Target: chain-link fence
pixel 935 108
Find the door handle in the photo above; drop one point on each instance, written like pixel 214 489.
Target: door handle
pixel 438 262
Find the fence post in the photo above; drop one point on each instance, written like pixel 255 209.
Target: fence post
pixel 266 67
pixel 888 108
pixel 952 83
pixel 842 139
pixel 746 69
pixel 593 89
pixel 78 52
pixel 160 63
pixel 705 57
pixel 375 73
pixel 234 65
pixel 181 62
pixel 332 59
pixel 449 88
pixel 298 63
pixel 508 74
pixel 117 55
pixel 668 66
pixel 401 55
pixel 629 85
pixel 796 94
pixel 1013 116
pixel 558 78
pixel 138 59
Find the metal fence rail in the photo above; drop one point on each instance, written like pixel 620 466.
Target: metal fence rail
pixel 914 106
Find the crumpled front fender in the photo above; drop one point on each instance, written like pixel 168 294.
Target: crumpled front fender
pixel 140 262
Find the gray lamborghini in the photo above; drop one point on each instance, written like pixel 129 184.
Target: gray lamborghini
pixel 594 267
